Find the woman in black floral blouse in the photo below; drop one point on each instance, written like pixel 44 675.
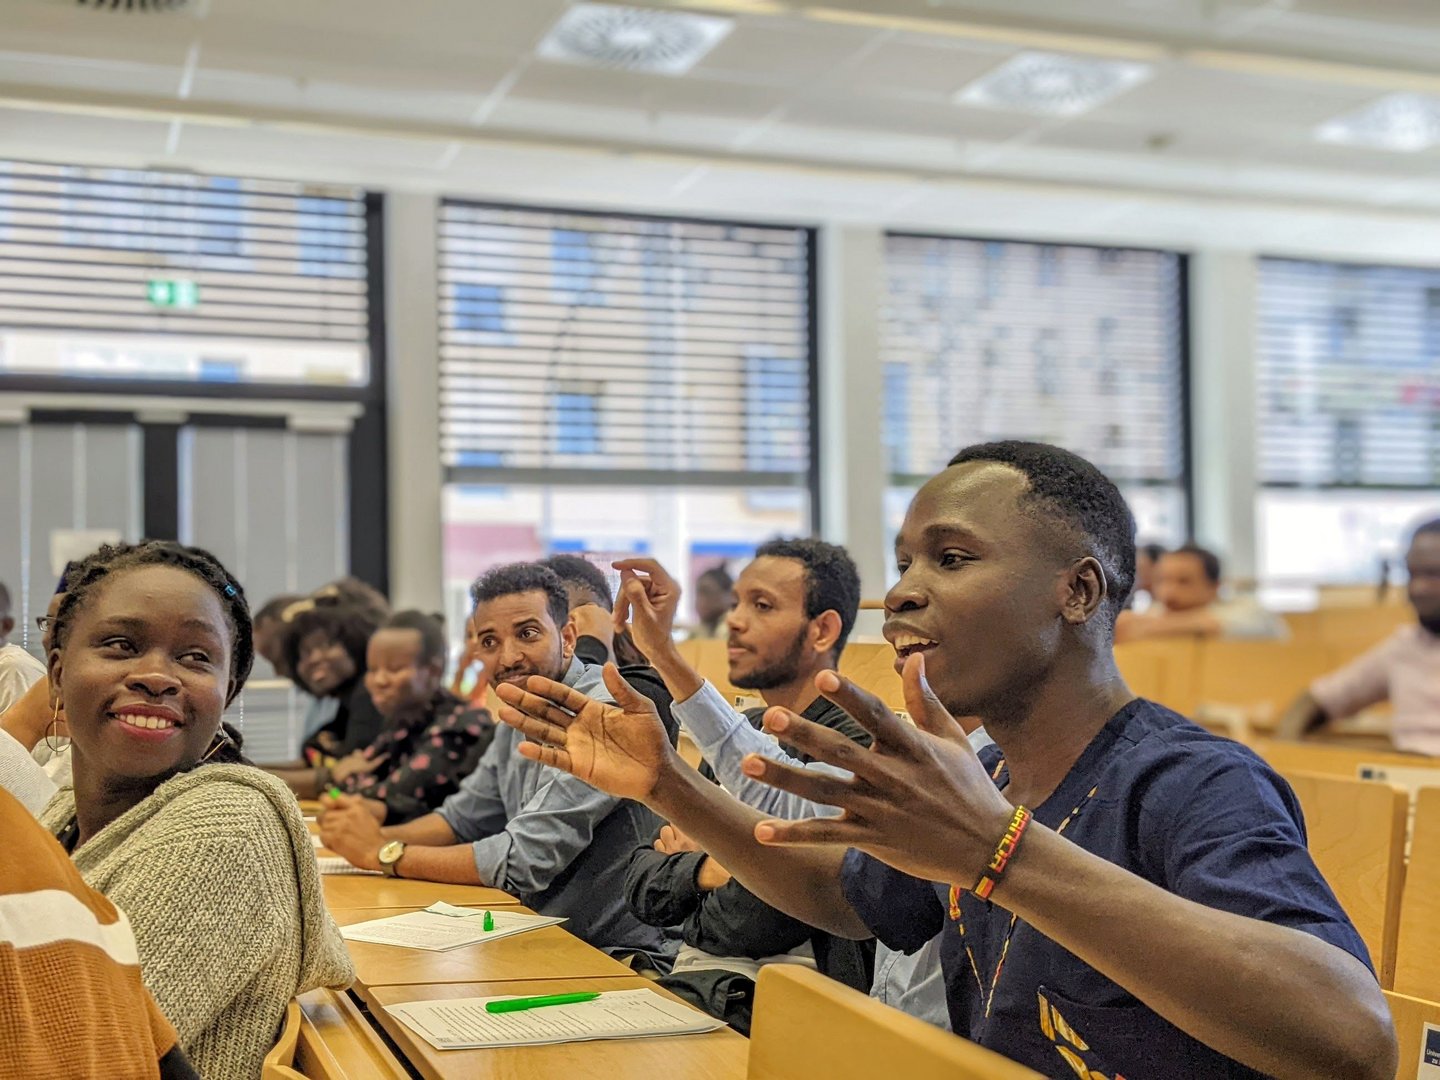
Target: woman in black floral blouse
pixel 431 740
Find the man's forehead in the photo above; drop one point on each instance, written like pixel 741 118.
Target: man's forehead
pixel 511 609
pixel 772 572
pixel 977 497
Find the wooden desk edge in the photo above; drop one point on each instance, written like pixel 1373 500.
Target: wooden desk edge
pixel 337 1042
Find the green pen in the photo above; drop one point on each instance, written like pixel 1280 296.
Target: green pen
pixel 334 792
pixel 521 1004
pixel 488 923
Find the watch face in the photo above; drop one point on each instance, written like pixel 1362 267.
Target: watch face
pixel 391 851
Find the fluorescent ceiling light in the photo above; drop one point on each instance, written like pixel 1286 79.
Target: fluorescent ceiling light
pixel 633 39
pixel 1405 123
pixel 1053 84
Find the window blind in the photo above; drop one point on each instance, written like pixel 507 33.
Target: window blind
pixel 121 251
pixel 574 341
pixel 1348 375
pixel 1078 346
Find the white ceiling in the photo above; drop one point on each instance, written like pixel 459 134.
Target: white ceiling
pixel 836 109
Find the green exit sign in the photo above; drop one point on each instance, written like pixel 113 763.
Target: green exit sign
pixel 172 293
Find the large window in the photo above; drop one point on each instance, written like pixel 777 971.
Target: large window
pixel 1079 346
pixel 621 384
pixel 144 275
pixel 1348 414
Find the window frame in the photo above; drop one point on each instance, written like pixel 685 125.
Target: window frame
pixel 529 476
pixel 1185 405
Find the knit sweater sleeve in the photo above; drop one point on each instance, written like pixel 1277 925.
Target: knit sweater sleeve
pixel 211 920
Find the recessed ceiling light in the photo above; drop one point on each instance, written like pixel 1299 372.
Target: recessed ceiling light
pixel 635 39
pixel 1053 84
pixel 1405 123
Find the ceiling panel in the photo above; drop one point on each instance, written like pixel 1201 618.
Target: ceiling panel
pixel 779 53
pixel 905 67
pixel 939 118
pixel 85 73
pixel 279 92
pixel 572 83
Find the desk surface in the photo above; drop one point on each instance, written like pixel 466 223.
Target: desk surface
pixel 549 953
pixel 716 1055
pixel 377 891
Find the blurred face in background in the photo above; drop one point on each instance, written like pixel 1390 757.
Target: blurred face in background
pixel 397 675
pixel 1423 563
pixel 712 600
pixel 1181 584
pixel 324 665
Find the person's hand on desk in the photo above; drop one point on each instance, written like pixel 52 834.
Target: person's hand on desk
pixel 711 874
pixel 355 763
pixel 621 749
pixel 348 828
pixel 918 799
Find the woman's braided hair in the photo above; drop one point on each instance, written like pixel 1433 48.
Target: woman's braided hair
pixel 83 578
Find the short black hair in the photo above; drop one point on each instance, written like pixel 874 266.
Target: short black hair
pixel 832 582
pixel 1209 561
pixel 720 576
pixel 1070 490
pixel 4 598
pixel 350 625
pixel 522 578
pixel 573 570
pixel 1425 528
pixel 431 628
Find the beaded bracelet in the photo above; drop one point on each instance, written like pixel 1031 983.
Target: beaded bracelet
pixel 1004 852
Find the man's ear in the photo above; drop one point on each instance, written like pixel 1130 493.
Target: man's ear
pixel 54 671
pixel 7 624
pixel 568 637
pixel 825 631
pixel 1086 589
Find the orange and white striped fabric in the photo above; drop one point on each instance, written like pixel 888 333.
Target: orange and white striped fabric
pixel 72 1002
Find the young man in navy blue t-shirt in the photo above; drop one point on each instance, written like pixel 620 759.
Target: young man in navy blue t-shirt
pixel 1159 916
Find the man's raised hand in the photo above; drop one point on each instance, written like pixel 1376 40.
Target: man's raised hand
pixel 621 749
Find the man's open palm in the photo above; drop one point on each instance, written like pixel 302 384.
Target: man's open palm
pixel 620 749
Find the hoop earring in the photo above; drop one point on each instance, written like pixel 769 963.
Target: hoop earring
pixel 221 740
pixel 52 731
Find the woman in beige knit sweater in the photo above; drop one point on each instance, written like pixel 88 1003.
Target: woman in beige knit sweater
pixel 207 855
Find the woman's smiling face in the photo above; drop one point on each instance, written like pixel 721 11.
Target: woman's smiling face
pixel 144 672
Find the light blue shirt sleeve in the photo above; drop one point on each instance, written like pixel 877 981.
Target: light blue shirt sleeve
pixel 525 851
pixel 725 737
pixel 551 830
pixel 477 809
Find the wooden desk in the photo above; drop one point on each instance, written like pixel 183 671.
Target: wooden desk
pixel 337 1042
pixel 716 1055
pixel 377 891
pixel 549 953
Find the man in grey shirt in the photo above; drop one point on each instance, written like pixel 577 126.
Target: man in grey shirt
pixel 558 844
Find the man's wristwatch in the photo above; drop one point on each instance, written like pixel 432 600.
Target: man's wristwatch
pixel 390 855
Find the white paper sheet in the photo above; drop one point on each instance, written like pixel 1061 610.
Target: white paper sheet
pixel 334 864
pixel 463 1023
pixel 441 930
